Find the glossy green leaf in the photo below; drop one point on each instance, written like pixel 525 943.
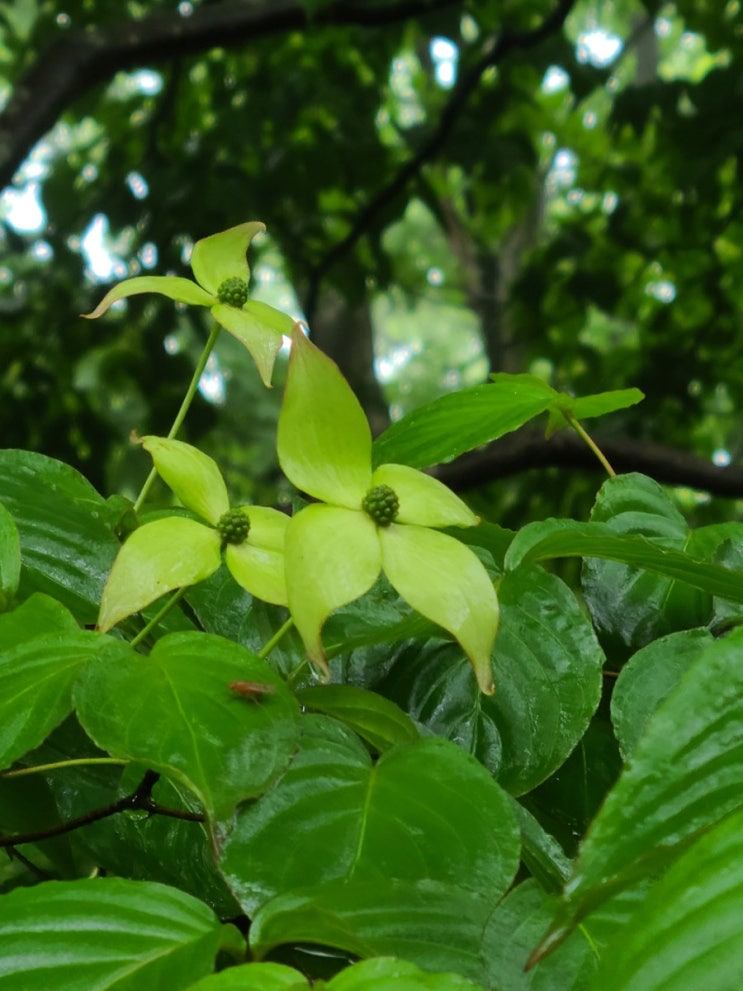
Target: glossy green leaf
pixel 511 932
pixel 687 932
pixel 377 720
pixel 175 711
pixel 434 925
pixel 634 607
pixel 329 818
pixel 178 289
pixel 10 558
pixel 222 256
pixel 648 678
pixel 67 545
pixel 685 775
pixel 546 662
pixel 324 440
pixel 253 977
pixel 192 475
pixel 567 538
pixel 107 933
pixel 41 653
pixel 166 554
pixel 461 421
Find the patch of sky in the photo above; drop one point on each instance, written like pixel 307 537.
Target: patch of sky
pixel 721 457
pixel 597 47
pixel 444 55
pixel 101 264
pixel 212 385
pixel 137 185
pixel 661 289
pixel 22 208
pixel 555 79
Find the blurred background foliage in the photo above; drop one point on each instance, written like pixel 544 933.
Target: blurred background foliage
pixel 450 189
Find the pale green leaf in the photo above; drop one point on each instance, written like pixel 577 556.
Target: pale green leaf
pixel 192 475
pixel 446 582
pixel 377 720
pixel 259 570
pixel 254 977
pixel 257 330
pixel 158 557
pixel 332 557
pixel 423 500
pixel 223 256
pixel 324 441
pixel 181 290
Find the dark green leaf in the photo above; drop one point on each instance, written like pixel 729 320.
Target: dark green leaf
pixel 587 407
pixel 434 925
pixel 648 678
pixel 425 810
pixel 377 720
pixel 67 545
pixel 686 774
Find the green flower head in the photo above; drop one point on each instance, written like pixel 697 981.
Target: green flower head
pixel 175 552
pixel 222 274
pixel 371 520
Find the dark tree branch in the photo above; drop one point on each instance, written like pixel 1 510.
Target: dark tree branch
pixel 140 799
pixel 528 449
pixel 82 59
pixel 467 84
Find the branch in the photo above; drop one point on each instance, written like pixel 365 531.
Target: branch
pixel 140 798
pixel 461 93
pixel 84 58
pixel 528 449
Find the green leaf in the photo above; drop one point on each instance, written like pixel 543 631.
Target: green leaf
pixel 567 538
pixel 222 256
pixel 178 289
pixel 377 720
pixel 424 500
pixel 192 475
pixel 686 774
pixel 329 817
pixel 546 662
pixel 460 421
pixel 107 933
pixel 510 935
pixel 41 653
pixel 632 608
pixel 435 925
pixel 686 933
pixel 253 977
pixel 587 407
pixel 324 441
pixel 10 558
pixel 175 712
pixel 66 545
pixel 389 974
pixel 648 678
pixel 166 554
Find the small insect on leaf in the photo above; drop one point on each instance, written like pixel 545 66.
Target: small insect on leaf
pixel 252 689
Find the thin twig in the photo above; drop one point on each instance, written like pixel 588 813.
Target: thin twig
pixel 140 799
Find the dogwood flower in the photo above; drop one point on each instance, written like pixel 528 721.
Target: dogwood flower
pixel 370 520
pixel 175 551
pixel 222 275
